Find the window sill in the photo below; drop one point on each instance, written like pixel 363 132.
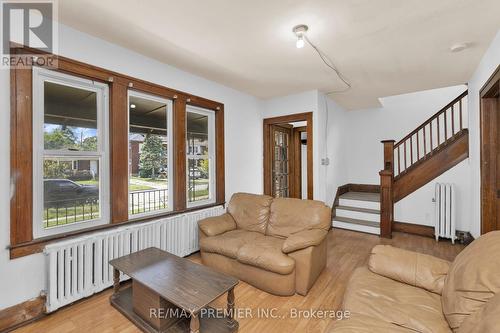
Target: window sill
pixel 37 245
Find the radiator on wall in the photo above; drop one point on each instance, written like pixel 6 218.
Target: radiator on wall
pixel 77 268
pixel 445 208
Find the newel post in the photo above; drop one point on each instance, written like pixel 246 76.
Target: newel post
pixel 386 195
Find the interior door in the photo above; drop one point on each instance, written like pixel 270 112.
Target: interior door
pixel 281 141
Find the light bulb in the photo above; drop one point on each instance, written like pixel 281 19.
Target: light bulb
pixel 132 106
pixel 300 42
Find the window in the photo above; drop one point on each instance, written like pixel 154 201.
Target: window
pixel 69 153
pixel 150 162
pixel 91 149
pixel 200 148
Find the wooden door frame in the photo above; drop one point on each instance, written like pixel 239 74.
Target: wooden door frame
pixel 296 188
pixel 489 112
pixel 267 123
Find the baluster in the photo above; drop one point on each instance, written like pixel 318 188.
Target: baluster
pixel 438 130
pixel 411 150
pixel 404 143
pixel 452 120
pixel 425 142
pixel 460 114
pixel 399 160
pixel 430 135
pixel 418 146
pixel 445 126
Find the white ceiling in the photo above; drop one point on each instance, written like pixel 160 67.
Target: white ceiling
pixel 384 47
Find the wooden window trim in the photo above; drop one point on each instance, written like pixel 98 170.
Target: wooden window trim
pixel 21 220
pixel 268 122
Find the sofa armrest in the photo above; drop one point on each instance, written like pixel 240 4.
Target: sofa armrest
pixel 303 239
pixel 216 225
pixel 413 268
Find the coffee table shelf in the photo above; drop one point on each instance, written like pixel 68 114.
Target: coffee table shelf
pixel 161 280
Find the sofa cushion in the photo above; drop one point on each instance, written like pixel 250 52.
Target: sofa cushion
pixel 473 279
pixel 250 211
pixel 289 216
pixel 359 323
pixel 265 252
pixel 228 243
pixel 486 320
pixel 395 302
pixel 413 268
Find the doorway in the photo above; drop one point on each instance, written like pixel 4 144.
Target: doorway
pixel 288 156
pixel 490 153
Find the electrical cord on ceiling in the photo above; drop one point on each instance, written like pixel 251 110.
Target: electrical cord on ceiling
pixel 328 62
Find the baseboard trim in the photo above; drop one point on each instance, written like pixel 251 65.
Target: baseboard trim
pixel 22 314
pixel 415 229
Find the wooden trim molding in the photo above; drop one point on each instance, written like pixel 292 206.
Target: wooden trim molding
pixel 21 314
pixel 267 123
pixel 118 139
pixel 21 238
pixel 489 114
pixel 415 229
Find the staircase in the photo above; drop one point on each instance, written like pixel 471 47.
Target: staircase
pixel 434 147
pixel 359 211
pixel 437 145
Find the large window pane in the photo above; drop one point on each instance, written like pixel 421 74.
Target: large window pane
pixel 70 118
pixel 148 154
pixel 70 191
pixel 69 153
pixel 199 147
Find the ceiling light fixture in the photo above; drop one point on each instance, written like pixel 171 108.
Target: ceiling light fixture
pixel 299 31
pixel 458 47
pixel 132 106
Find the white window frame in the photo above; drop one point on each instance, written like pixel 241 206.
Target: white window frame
pixel 212 190
pixel 170 152
pixel 41 75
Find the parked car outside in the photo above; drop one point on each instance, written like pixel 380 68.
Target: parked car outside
pixel 65 192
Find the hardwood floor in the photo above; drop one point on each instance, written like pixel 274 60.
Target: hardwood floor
pixel 346 251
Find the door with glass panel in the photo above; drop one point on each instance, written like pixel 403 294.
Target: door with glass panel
pixel 281 150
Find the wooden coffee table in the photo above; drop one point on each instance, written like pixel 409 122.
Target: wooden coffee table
pixel 181 288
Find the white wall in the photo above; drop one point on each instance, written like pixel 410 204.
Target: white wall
pixel 337 147
pixel 24 278
pixel 487 66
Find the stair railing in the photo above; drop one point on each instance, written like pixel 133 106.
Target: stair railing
pixel 430 135
pixel 421 143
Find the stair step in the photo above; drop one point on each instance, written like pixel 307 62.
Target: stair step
pixel 366 200
pixel 359 209
pixel 356 225
pixel 357 221
pixel 361 196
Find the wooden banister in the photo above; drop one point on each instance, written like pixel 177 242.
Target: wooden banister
pixel 433 117
pixel 445 125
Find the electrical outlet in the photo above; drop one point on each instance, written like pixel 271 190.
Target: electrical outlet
pixel 325 161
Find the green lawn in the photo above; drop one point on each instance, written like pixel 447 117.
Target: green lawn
pixel 134 187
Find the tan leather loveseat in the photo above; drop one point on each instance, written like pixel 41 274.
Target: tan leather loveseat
pixel 404 291
pixel 277 245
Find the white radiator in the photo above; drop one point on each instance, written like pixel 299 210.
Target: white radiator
pixel 77 268
pixel 445 216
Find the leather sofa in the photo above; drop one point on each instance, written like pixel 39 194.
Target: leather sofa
pixel 404 291
pixel 277 245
